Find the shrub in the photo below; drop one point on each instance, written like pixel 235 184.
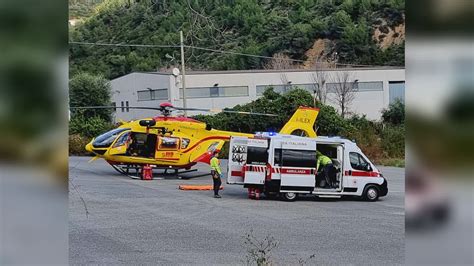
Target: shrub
pixel 329 122
pixel 88 126
pixel 366 134
pixel 395 113
pixel 90 90
pixel 259 249
pixel 77 144
pixel 393 141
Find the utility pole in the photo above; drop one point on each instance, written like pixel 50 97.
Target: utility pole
pixel 183 73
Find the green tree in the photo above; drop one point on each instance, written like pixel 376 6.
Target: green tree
pixel 339 22
pixel 329 122
pixel 90 90
pixel 245 26
pixel 395 113
pixel 88 127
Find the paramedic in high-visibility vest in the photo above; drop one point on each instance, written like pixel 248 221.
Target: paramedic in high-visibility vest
pixel 326 166
pixel 216 173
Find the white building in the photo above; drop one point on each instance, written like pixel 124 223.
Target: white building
pixel 376 89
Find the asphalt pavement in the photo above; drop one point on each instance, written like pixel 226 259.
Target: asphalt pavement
pixel 117 220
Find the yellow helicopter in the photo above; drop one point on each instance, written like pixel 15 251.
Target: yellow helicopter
pixel 173 143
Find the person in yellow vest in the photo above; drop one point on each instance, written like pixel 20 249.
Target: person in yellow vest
pixel 216 173
pixel 324 165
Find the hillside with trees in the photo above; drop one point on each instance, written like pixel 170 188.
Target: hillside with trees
pixel 360 32
pixel 79 9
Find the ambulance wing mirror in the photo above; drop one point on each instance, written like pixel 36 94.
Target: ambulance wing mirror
pixel 368 168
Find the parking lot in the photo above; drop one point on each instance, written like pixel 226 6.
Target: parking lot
pixel 117 220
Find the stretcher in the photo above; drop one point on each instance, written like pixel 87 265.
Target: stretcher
pixel 198 187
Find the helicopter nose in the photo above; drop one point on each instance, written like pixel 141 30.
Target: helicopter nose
pixel 89 147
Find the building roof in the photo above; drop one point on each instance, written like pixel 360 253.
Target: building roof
pixel 276 71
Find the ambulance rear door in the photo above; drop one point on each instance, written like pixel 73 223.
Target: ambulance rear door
pixel 256 162
pixel 237 159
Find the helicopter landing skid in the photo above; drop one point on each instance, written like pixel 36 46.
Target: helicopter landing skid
pixel 135 171
pixel 125 170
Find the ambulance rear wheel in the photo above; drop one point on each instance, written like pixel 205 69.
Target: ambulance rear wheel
pixel 371 193
pixel 289 196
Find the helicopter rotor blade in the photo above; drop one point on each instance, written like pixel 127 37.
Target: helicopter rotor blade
pixel 247 113
pixel 191 109
pixel 116 107
pixel 175 108
pixel 224 111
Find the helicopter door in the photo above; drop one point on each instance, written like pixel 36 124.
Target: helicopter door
pixel 120 145
pixel 237 158
pixel 167 148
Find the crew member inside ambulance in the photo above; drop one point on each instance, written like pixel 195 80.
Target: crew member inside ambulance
pixel 325 167
pixel 216 174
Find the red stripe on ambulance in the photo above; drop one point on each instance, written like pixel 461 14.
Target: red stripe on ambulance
pixel 362 173
pixel 255 168
pixel 237 173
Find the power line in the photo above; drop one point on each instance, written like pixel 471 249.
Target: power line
pixel 177 46
pixel 126 45
pixel 206 49
pixel 243 54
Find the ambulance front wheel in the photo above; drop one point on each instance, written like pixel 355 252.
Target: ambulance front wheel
pixel 289 196
pixel 371 193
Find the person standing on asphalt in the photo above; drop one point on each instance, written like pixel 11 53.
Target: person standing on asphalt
pixel 216 173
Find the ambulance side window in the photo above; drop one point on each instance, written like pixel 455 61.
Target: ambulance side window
pixel 358 162
pixel 277 157
pixel 298 158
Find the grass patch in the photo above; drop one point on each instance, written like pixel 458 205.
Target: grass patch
pixel 395 162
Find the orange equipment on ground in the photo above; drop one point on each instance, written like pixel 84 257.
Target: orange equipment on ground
pixel 254 193
pixel 147 173
pixel 198 187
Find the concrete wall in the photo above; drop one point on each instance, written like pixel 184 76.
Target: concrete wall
pixel 369 103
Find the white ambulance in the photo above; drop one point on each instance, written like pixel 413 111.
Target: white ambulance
pixel 285 165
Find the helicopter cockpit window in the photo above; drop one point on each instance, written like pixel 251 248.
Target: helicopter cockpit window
pixel 169 143
pixel 122 139
pixel 184 143
pixel 106 139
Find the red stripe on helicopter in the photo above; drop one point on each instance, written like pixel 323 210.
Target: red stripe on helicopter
pixel 205 139
pixel 362 173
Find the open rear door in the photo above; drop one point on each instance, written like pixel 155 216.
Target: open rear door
pixel 256 163
pixel 237 159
